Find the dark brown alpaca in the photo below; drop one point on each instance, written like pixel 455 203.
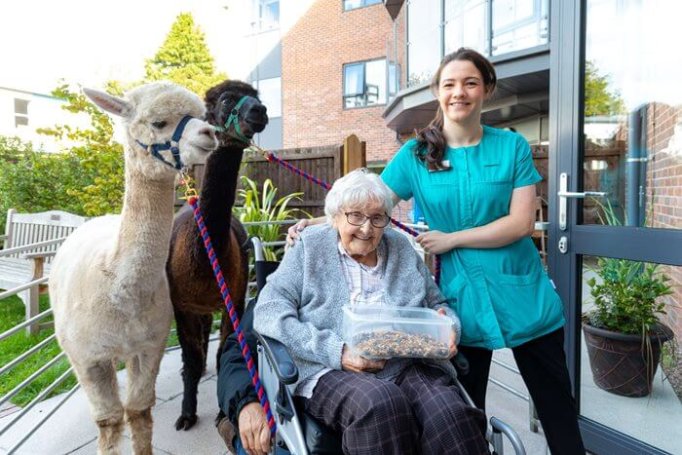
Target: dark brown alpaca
pixel 193 288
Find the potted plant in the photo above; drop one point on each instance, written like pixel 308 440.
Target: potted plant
pixel 623 332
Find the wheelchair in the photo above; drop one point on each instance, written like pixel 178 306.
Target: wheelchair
pixel 302 434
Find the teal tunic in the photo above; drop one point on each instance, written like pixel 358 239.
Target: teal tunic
pixel 502 295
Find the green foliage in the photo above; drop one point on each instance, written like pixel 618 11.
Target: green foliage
pixel 627 297
pixel 184 58
pixel 100 190
pixel 85 179
pixel 33 181
pixel 13 148
pixel 88 178
pixel 599 100
pixel 261 205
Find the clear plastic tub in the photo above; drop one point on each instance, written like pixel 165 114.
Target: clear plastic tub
pixel 384 332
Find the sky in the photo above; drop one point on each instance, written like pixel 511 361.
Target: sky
pixel 88 42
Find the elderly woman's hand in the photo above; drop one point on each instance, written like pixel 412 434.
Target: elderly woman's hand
pixel 452 348
pixel 253 430
pixel 353 362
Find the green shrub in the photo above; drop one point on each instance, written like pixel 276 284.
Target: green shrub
pixel 256 204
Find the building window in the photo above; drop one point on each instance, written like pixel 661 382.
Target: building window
pixel 519 24
pixel 465 26
pixel 423 40
pixel 270 94
pixel 20 112
pixel 393 79
pixel 492 27
pixel 354 4
pixel 364 83
pixel 267 14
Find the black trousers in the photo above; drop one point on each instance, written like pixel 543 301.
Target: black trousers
pixel 542 364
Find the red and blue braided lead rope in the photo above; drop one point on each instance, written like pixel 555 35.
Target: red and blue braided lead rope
pixel 232 313
pixel 272 157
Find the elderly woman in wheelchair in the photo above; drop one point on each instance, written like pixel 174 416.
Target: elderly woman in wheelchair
pixel 394 406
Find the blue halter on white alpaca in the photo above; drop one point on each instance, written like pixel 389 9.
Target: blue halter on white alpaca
pixel 173 145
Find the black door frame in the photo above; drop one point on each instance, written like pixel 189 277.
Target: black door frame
pixel 567 61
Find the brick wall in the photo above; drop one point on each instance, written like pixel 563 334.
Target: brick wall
pixel 664 188
pixel 313 54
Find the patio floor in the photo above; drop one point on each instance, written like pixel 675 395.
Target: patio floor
pixel 71 431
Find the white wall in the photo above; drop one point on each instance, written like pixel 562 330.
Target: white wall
pixel 43 111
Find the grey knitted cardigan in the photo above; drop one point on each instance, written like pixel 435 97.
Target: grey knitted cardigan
pixel 301 304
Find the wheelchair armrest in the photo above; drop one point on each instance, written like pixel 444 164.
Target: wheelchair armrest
pixel 461 364
pixel 277 353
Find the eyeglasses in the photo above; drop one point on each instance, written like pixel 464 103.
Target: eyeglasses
pixel 359 218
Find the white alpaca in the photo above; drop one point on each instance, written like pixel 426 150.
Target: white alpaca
pixel 108 286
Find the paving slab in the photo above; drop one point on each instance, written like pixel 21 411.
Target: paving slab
pixel 70 430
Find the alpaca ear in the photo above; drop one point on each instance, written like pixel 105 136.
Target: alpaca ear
pixel 107 102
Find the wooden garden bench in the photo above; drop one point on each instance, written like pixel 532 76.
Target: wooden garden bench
pixel 30 242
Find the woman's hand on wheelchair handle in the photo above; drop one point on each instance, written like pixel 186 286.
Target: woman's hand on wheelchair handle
pixel 350 361
pixel 294 231
pixel 253 430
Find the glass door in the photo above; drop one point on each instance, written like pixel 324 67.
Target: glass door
pixel 616 211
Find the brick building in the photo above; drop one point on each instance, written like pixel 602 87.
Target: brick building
pixel 336 65
pixel 362 66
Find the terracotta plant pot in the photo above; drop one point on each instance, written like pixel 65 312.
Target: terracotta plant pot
pixel 624 364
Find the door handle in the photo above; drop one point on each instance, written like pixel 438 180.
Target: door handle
pixel 564 194
pixel 581 195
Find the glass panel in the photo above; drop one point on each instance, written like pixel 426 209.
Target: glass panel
pixel 20 120
pixel 268 14
pixel 654 418
pixel 466 25
pixel 424 37
pixel 519 24
pixel 270 94
pixel 393 79
pixel 633 113
pixel 376 82
pixel 354 79
pixel 20 106
pixel 365 84
pixel 352 4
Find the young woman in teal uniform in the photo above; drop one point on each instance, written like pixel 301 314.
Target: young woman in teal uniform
pixel 476 187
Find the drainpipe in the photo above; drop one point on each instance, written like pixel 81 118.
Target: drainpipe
pixel 635 196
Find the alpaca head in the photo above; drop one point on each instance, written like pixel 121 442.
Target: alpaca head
pixel 234 109
pixel 161 120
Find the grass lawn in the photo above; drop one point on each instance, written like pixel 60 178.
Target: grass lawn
pixel 11 314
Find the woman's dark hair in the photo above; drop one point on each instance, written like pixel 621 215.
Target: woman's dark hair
pixel 431 142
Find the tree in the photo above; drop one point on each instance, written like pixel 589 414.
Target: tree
pixel 184 58
pixel 13 148
pixel 599 100
pixel 88 179
pixel 33 181
pixel 100 158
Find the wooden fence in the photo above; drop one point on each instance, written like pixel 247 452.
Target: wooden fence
pixel 327 163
